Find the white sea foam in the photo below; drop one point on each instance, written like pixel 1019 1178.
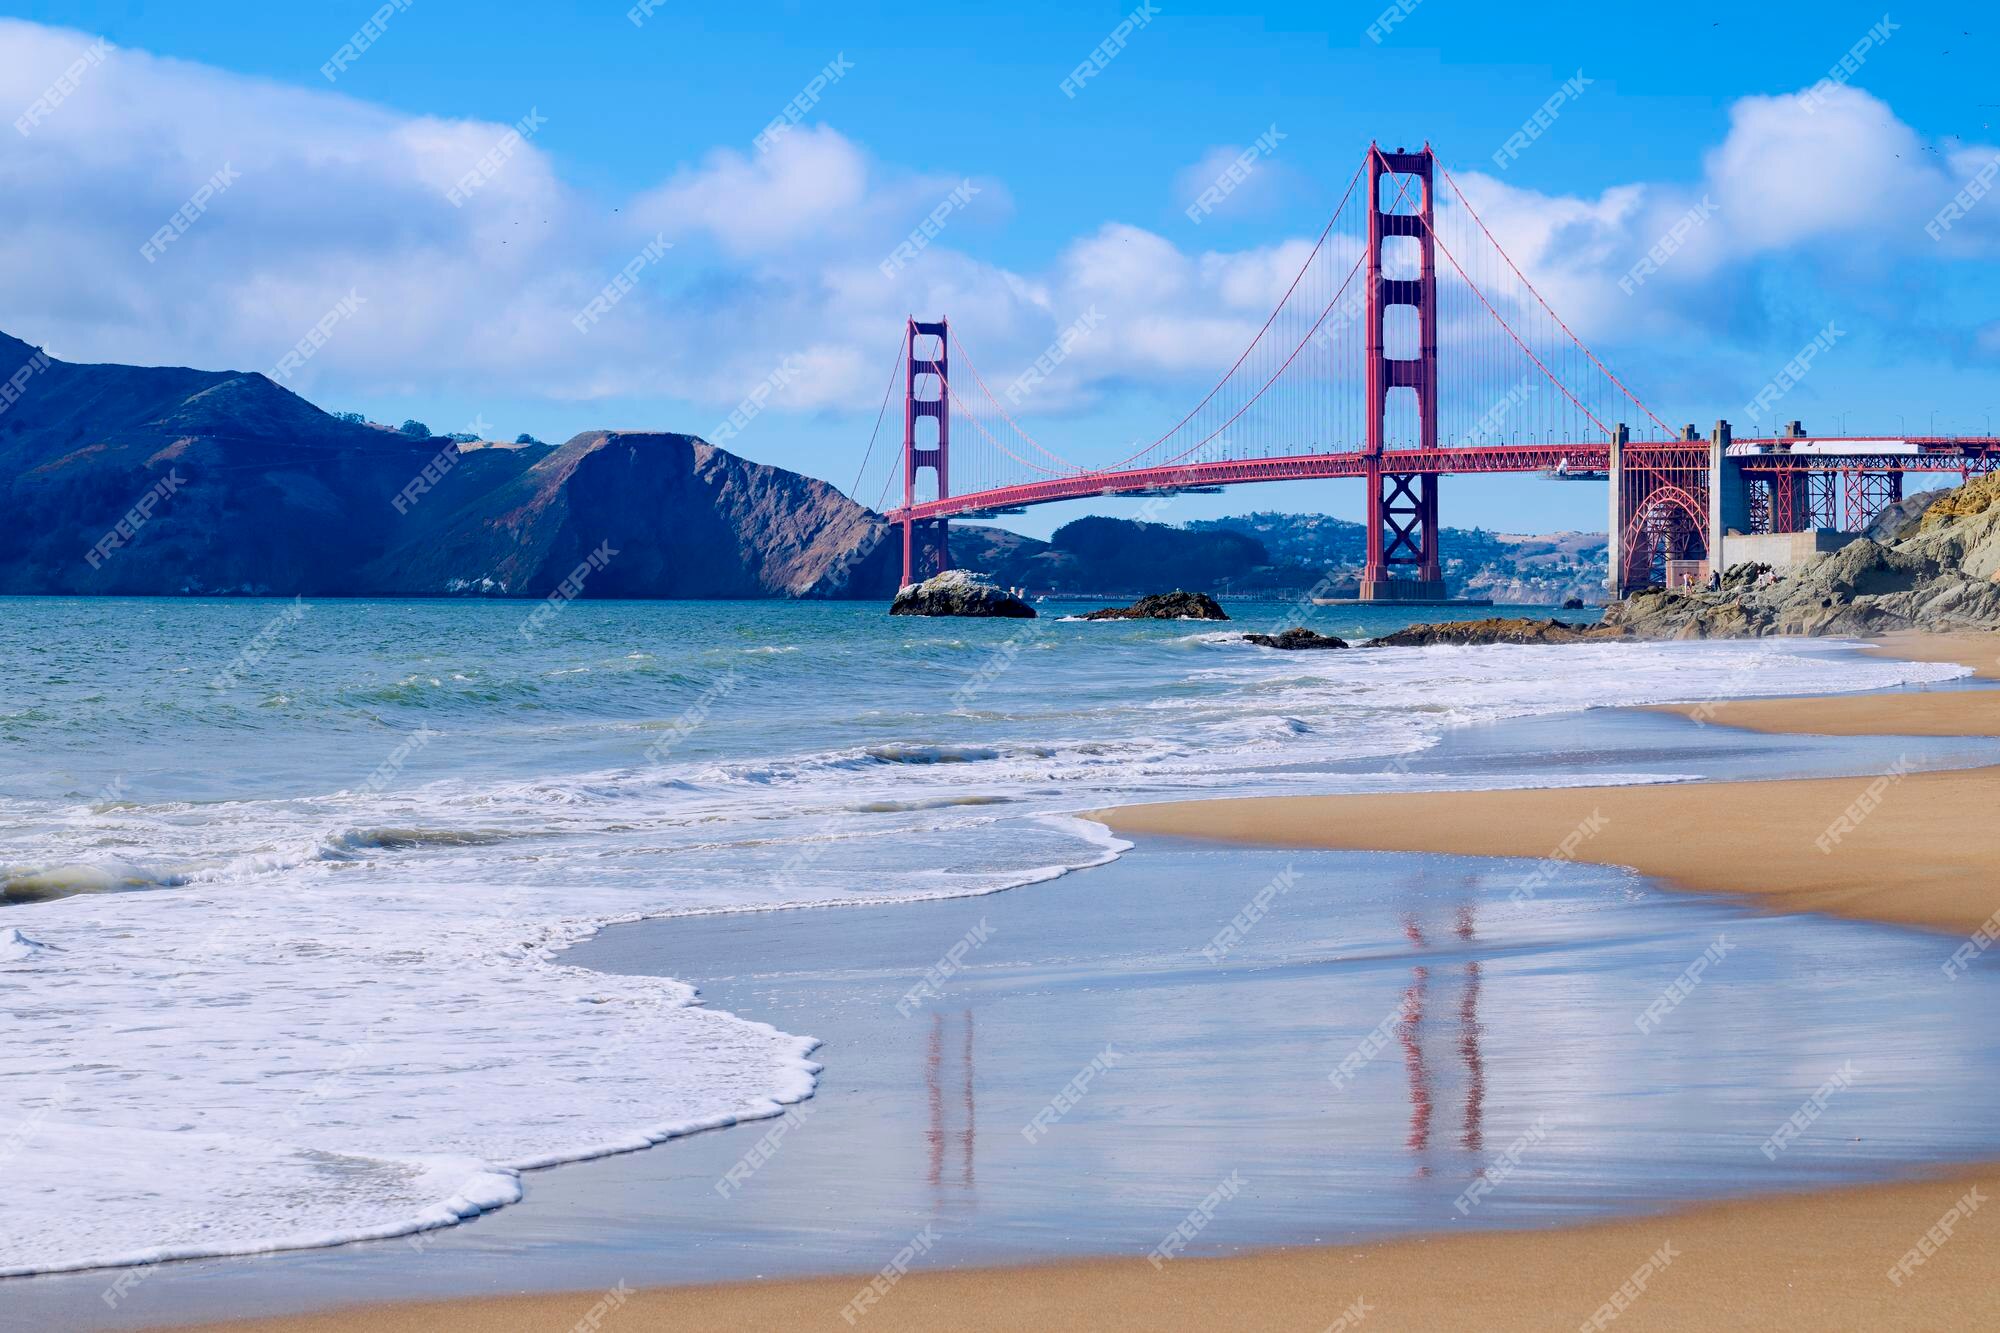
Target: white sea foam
pixel 405 1057
pixel 328 1011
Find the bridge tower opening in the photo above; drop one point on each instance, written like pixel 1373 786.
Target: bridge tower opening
pixel 1661 508
pixel 926 397
pixel 1402 563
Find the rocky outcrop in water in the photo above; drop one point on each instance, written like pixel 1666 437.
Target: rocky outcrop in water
pixel 959 592
pixel 1495 629
pixel 1295 638
pixel 1175 605
pixel 1936 571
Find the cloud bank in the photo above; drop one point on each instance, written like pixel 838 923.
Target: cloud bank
pixel 165 211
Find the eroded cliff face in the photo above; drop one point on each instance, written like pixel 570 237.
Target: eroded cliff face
pixel 680 518
pixel 1935 570
pixel 123 479
pixel 164 481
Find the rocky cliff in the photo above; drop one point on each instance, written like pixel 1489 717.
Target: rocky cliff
pixel 1932 570
pixel 124 479
pixel 165 481
pixel 680 518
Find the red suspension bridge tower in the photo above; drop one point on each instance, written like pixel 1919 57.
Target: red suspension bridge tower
pixel 1402 562
pixel 1344 380
pixel 926 544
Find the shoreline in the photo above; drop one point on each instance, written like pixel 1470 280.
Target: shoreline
pixel 1930 712
pixel 1774 1261
pixel 1823 1254
pixel 1842 846
pixel 1851 841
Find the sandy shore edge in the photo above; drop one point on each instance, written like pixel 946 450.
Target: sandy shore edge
pixel 1949 712
pixel 1904 848
pixel 1820 1260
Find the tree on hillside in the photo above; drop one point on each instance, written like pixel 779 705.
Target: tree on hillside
pixel 351 418
pixel 525 438
pixel 416 430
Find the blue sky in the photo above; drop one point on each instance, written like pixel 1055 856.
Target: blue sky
pixel 467 309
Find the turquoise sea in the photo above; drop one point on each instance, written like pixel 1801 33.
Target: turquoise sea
pixel 285 887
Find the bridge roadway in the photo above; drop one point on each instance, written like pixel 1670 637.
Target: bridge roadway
pixel 1896 454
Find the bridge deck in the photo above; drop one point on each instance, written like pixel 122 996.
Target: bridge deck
pixel 1902 454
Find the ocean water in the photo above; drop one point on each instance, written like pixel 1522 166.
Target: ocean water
pixel 283 887
pixel 1373 1033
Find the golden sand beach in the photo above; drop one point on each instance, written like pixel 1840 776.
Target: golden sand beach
pixel 1798 1261
pixel 1906 848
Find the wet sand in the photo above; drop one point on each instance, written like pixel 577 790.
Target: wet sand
pixel 1907 848
pixel 1940 712
pixel 1901 847
pixel 1979 650
pixel 1815 1260
pixel 1912 849
pixel 1934 713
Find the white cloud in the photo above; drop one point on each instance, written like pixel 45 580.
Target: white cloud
pixel 1254 281
pixel 1786 175
pixel 1845 187
pixel 813 183
pixel 333 196
pixel 1246 182
pixel 776 255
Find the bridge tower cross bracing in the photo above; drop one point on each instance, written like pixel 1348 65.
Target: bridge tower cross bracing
pixel 1868 493
pixel 926 542
pixel 1402 562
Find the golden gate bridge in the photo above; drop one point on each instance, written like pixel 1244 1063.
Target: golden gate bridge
pixel 1345 380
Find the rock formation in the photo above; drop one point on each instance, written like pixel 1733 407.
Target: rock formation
pixel 1176 605
pixel 1492 630
pixel 1295 638
pixel 1935 571
pixel 959 592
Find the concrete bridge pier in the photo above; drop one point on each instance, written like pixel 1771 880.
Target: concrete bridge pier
pixel 1614 530
pixel 1728 497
